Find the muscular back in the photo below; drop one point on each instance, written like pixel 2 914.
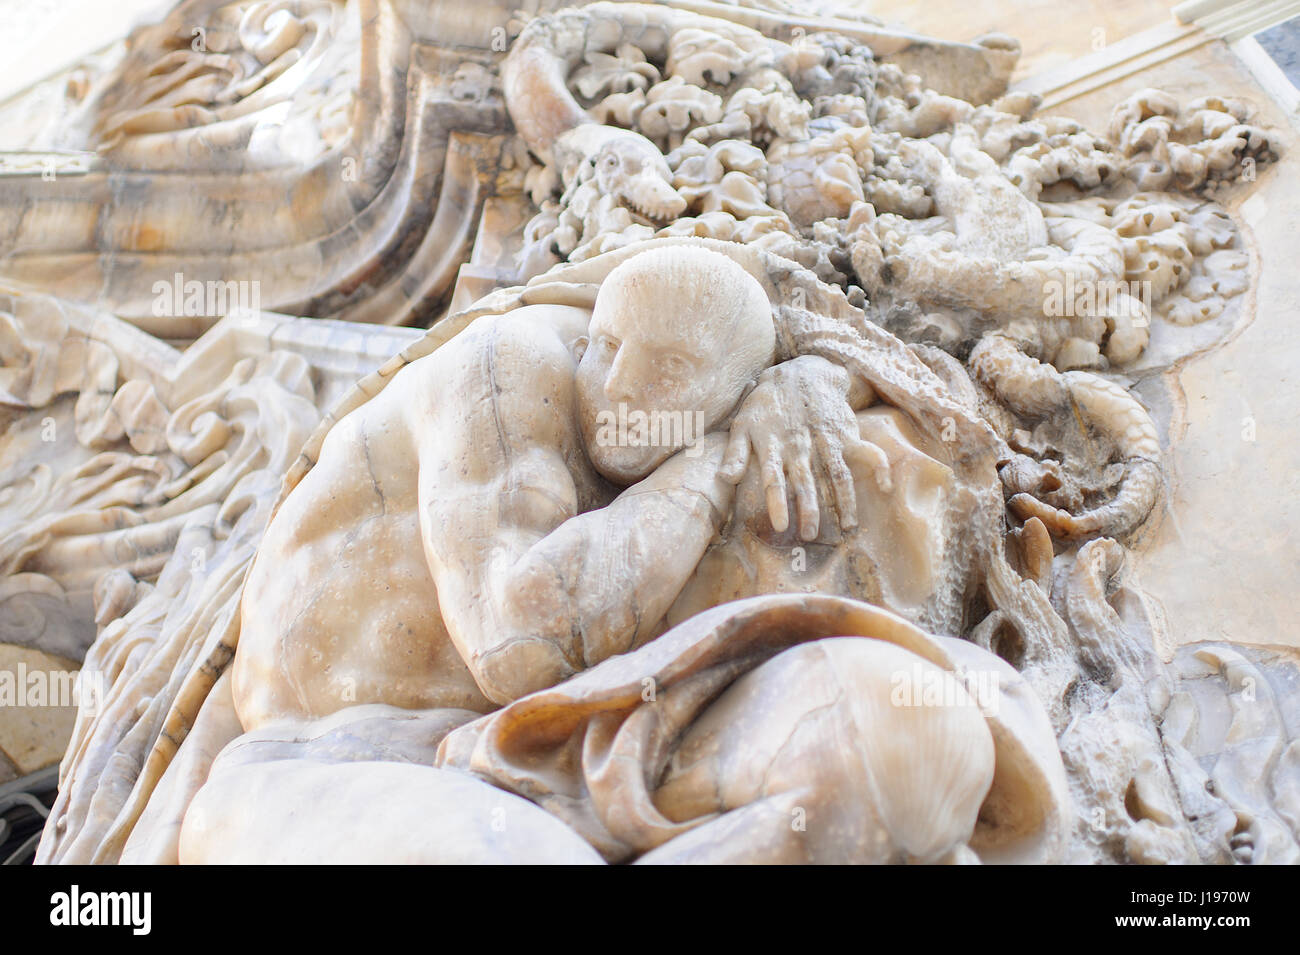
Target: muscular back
pixel 342 605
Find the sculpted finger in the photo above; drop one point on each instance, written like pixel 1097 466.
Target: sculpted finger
pixel 805 496
pixel 846 499
pixel 736 459
pixel 872 456
pixel 774 485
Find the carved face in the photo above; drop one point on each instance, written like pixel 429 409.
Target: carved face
pixel 645 390
pixel 675 336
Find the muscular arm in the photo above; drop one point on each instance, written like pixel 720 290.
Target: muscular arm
pixel 530 590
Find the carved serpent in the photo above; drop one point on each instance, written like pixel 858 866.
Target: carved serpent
pixel 1107 411
pixel 999 255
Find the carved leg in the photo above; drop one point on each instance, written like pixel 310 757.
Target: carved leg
pixel 321 795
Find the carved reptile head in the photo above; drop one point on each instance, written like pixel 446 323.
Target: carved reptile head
pixel 625 165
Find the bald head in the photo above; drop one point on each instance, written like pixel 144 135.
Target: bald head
pixel 675 330
pixel 695 297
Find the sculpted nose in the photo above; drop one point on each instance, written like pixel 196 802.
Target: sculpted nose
pixel 618 382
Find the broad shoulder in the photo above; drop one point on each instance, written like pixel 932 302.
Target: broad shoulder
pixel 533 341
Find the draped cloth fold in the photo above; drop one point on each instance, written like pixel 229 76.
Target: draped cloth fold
pixel 592 750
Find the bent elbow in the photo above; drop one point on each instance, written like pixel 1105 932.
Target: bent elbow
pixel 519 666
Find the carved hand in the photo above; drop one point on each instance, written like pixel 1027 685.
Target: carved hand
pixel 798 406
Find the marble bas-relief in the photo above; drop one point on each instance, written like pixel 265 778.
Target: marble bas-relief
pixel 497 561
pixel 765 487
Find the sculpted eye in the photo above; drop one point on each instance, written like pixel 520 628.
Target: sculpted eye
pixel 611 161
pixel 609 344
pixel 676 365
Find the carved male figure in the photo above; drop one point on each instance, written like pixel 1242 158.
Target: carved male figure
pixel 465 538
pixel 469 537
